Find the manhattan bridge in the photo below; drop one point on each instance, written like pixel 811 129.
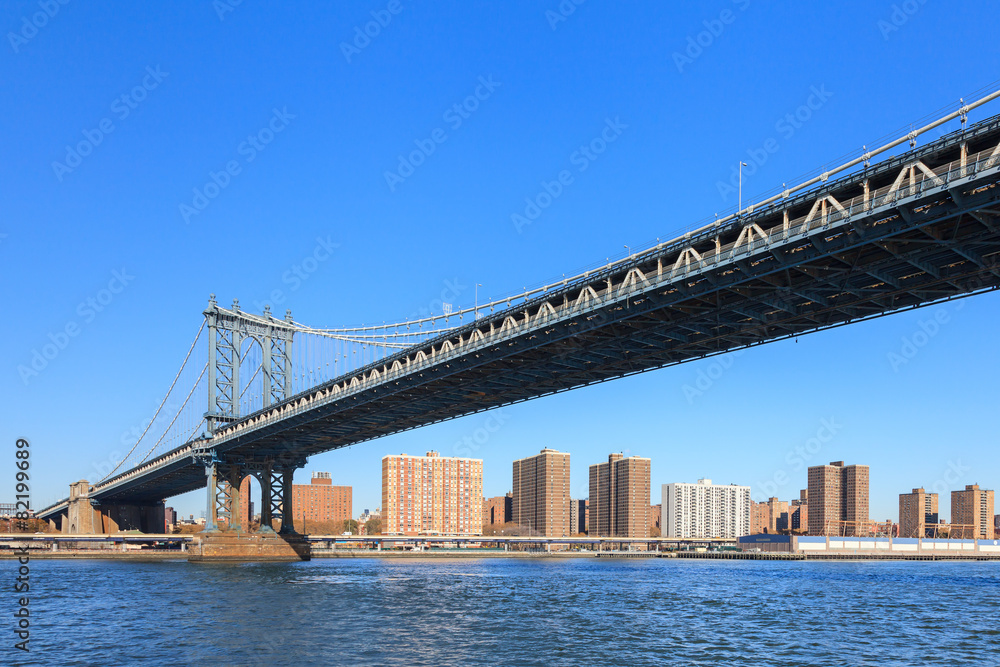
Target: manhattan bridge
pixel 257 394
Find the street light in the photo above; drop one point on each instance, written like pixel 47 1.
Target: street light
pixel 629 251
pixel 742 164
pixel 475 312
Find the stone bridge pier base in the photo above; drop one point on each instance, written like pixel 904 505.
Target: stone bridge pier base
pixel 86 517
pixel 224 538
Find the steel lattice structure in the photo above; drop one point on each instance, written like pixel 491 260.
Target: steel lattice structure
pixel 909 231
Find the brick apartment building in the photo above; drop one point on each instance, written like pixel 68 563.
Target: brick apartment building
pixel 497 510
pixel 971 511
pixel 432 495
pixel 838 499
pixel 541 493
pixel 918 513
pixel 320 501
pixel 619 497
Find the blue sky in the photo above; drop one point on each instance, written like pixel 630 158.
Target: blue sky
pixel 691 90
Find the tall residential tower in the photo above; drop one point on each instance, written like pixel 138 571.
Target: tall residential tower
pixel 918 513
pixel 972 513
pixel 838 499
pixel 432 494
pixel 619 497
pixel 541 494
pixel 705 510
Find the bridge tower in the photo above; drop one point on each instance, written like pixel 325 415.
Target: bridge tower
pixel 231 334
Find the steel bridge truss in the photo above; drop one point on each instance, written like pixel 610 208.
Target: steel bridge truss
pixel 225 477
pixel 910 231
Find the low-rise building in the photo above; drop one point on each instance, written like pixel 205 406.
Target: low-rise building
pixel 771 517
pixel 497 510
pixel 320 501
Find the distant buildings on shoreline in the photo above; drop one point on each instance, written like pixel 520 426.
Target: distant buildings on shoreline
pixel 705 510
pixel 541 493
pixel 432 494
pixel 441 495
pixel 619 497
pixel 838 498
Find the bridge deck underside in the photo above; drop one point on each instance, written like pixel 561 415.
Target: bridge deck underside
pixel 921 251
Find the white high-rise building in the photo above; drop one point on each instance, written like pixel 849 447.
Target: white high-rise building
pixel 705 510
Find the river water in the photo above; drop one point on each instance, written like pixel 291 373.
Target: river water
pixel 509 612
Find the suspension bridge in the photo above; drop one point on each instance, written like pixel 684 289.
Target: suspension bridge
pixel 862 240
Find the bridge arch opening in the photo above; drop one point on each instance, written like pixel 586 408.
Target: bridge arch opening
pixel 251 394
pixel 251 490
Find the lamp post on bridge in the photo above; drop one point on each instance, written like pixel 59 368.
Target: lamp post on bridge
pixel 739 210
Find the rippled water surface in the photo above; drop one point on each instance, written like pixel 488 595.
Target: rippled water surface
pixel 510 612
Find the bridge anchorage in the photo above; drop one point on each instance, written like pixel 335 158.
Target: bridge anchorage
pixel 917 228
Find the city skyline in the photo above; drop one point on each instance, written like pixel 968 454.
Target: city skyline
pixel 329 233
pixel 347 319
pixel 839 495
pixel 942 502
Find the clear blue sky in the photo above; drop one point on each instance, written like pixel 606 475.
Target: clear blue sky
pixel 198 79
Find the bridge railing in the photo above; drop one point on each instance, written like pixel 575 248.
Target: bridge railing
pixel 483 332
pixel 366 378
pixel 886 196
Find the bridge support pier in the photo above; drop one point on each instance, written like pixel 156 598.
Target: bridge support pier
pixel 84 516
pixel 287 515
pixel 223 479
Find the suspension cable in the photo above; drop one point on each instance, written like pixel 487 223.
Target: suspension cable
pixel 163 402
pixel 167 430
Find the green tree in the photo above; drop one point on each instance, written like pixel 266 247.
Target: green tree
pixel 373 526
pixel 350 526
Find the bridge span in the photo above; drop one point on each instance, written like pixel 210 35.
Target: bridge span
pixel 861 241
